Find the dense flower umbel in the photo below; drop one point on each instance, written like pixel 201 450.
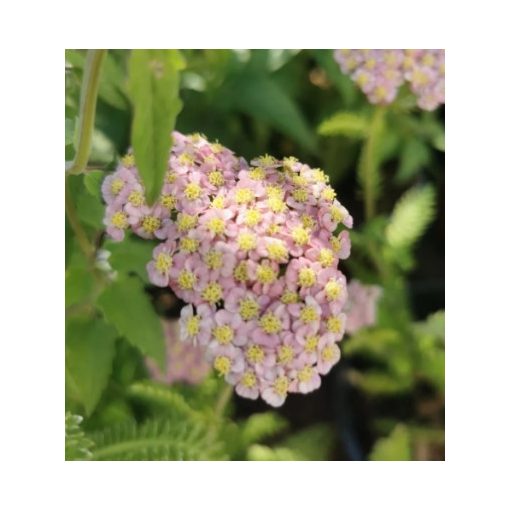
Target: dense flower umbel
pixel 254 251
pixel 380 73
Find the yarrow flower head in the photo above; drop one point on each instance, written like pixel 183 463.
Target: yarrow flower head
pixel 254 251
pixel 380 73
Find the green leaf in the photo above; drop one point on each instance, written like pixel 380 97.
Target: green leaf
pixel 260 426
pixel 261 97
pixel 352 125
pixel 70 125
pixel 157 440
pixel 397 446
pixel 411 216
pixel 131 255
pixel 90 347
pixel 78 445
pixel 415 155
pixel 126 306
pixel 258 452
pixel 79 285
pixel 93 181
pixel 311 443
pixel 154 91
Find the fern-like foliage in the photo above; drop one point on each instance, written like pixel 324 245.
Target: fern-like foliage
pixel 411 216
pixel 78 445
pixel 157 440
pixel 262 426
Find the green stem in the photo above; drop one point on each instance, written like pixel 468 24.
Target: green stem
pixel 223 399
pixel 88 100
pixel 369 163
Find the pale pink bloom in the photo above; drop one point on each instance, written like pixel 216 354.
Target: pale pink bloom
pixel 272 323
pixel 159 267
pixel 198 331
pixel 117 186
pixel 361 305
pixel 329 354
pixel 306 317
pixel 304 378
pixel 116 222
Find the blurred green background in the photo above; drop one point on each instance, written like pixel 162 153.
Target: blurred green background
pixel 385 399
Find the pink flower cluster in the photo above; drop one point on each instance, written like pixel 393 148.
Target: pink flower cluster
pixel 380 73
pixel 254 251
pixel 184 362
pixel 361 306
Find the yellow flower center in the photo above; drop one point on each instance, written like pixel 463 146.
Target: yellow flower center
pixel 212 293
pixel 281 385
pixel 192 191
pixel 244 195
pixel 270 323
pixel 266 274
pixel 336 213
pixel 334 324
pixel 277 205
pixel 328 353
pixel 307 277
pixel 273 229
pixel 186 279
pixel 189 245
pixel 300 235
pixel 299 180
pixel 163 262
pixel 308 314
pixel 216 226
pixel 308 221
pixel 305 374
pixel 300 195
pixel 216 147
pixel 319 175
pixel 335 243
pixel 150 224
pixel 193 325
pixel 128 160
pixel 170 177
pixel 168 201
pixel 257 174
pixel 333 290
pixel 255 354
pixel 274 191
pixel 223 334
pixel 241 272
pixel 252 217
pixel 247 241
pixel 249 379
pixel 267 160
pixel 289 162
pixel 218 202
pixel 186 222
pixel 222 364
pixel 328 194
pixel 289 297
pixel 213 259
pixel 117 185
pixel 285 354
pixel 216 178
pixel 326 257
pixel 277 251
pixel 311 343
pixel 186 159
pixel 136 198
pixel 248 309
pixel 119 220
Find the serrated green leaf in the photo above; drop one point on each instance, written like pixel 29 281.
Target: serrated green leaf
pixel 397 446
pixel 411 216
pixel 78 445
pixel 261 97
pixel 352 125
pixel 260 426
pixel 154 92
pixel 90 347
pixel 126 306
pixel 131 255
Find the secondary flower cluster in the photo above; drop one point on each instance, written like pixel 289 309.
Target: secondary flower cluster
pixel 361 307
pixel 254 251
pixel 184 362
pixel 380 73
